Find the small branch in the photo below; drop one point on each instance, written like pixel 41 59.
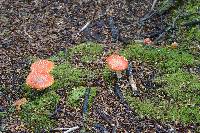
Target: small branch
pixel 130 77
pixel 66 130
pixel 86 100
pixel 118 92
pixel 147 16
pixel 27 34
pixel 114 129
pixel 84 27
pixel 101 128
pixel 132 83
pixel 122 100
pixel 105 116
pixel 72 129
pixel 192 23
pixel 153 5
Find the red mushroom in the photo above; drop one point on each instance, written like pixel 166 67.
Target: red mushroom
pixel 39 81
pixel 42 66
pixel 117 63
pixel 147 41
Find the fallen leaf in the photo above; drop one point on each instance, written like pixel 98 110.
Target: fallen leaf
pixel 20 102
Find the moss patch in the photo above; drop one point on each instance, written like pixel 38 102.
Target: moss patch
pixel 88 52
pixel 67 75
pixel 164 59
pixel 42 103
pixel 180 87
pixel 183 89
pixel 178 99
pixel 36 114
pixel 76 95
pixel 188 36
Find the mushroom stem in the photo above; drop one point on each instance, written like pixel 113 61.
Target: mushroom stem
pixel 119 74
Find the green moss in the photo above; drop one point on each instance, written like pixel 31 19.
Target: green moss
pixel 87 58
pixel 107 74
pixel 165 59
pixel 67 75
pixel 191 7
pixel 76 94
pixel 183 89
pixel 145 108
pixel 87 48
pixel 33 94
pixel 188 37
pixel 36 114
pixel 3 115
pixel 41 104
pixel 89 51
pixel 180 87
pixel 60 57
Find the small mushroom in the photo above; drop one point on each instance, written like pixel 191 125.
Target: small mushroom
pixel 174 45
pixel 42 66
pixel 117 63
pixel 39 81
pixel 147 41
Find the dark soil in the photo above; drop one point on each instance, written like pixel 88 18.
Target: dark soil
pixel 41 28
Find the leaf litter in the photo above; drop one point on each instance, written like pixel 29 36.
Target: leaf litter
pixel 42 28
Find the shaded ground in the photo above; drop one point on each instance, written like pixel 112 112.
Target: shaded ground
pixel 42 28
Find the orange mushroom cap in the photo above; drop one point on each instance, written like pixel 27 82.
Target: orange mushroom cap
pixel 147 41
pixel 117 63
pixel 39 81
pixel 42 66
pixel 174 45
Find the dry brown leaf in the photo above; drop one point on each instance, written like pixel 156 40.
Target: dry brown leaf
pixel 20 102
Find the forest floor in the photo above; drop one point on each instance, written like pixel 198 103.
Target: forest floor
pixel 68 33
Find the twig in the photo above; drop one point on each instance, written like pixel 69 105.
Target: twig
pixel 194 22
pixel 84 27
pixel 114 129
pixel 167 4
pixel 71 129
pixel 105 117
pixel 118 92
pixel 138 41
pixel 132 83
pixel 130 77
pixel 153 5
pixel 122 100
pixel 66 130
pixel 27 34
pixel 101 128
pixel 114 29
pixel 85 108
pixel 86 100
pixel 147 16
pixel 163 33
